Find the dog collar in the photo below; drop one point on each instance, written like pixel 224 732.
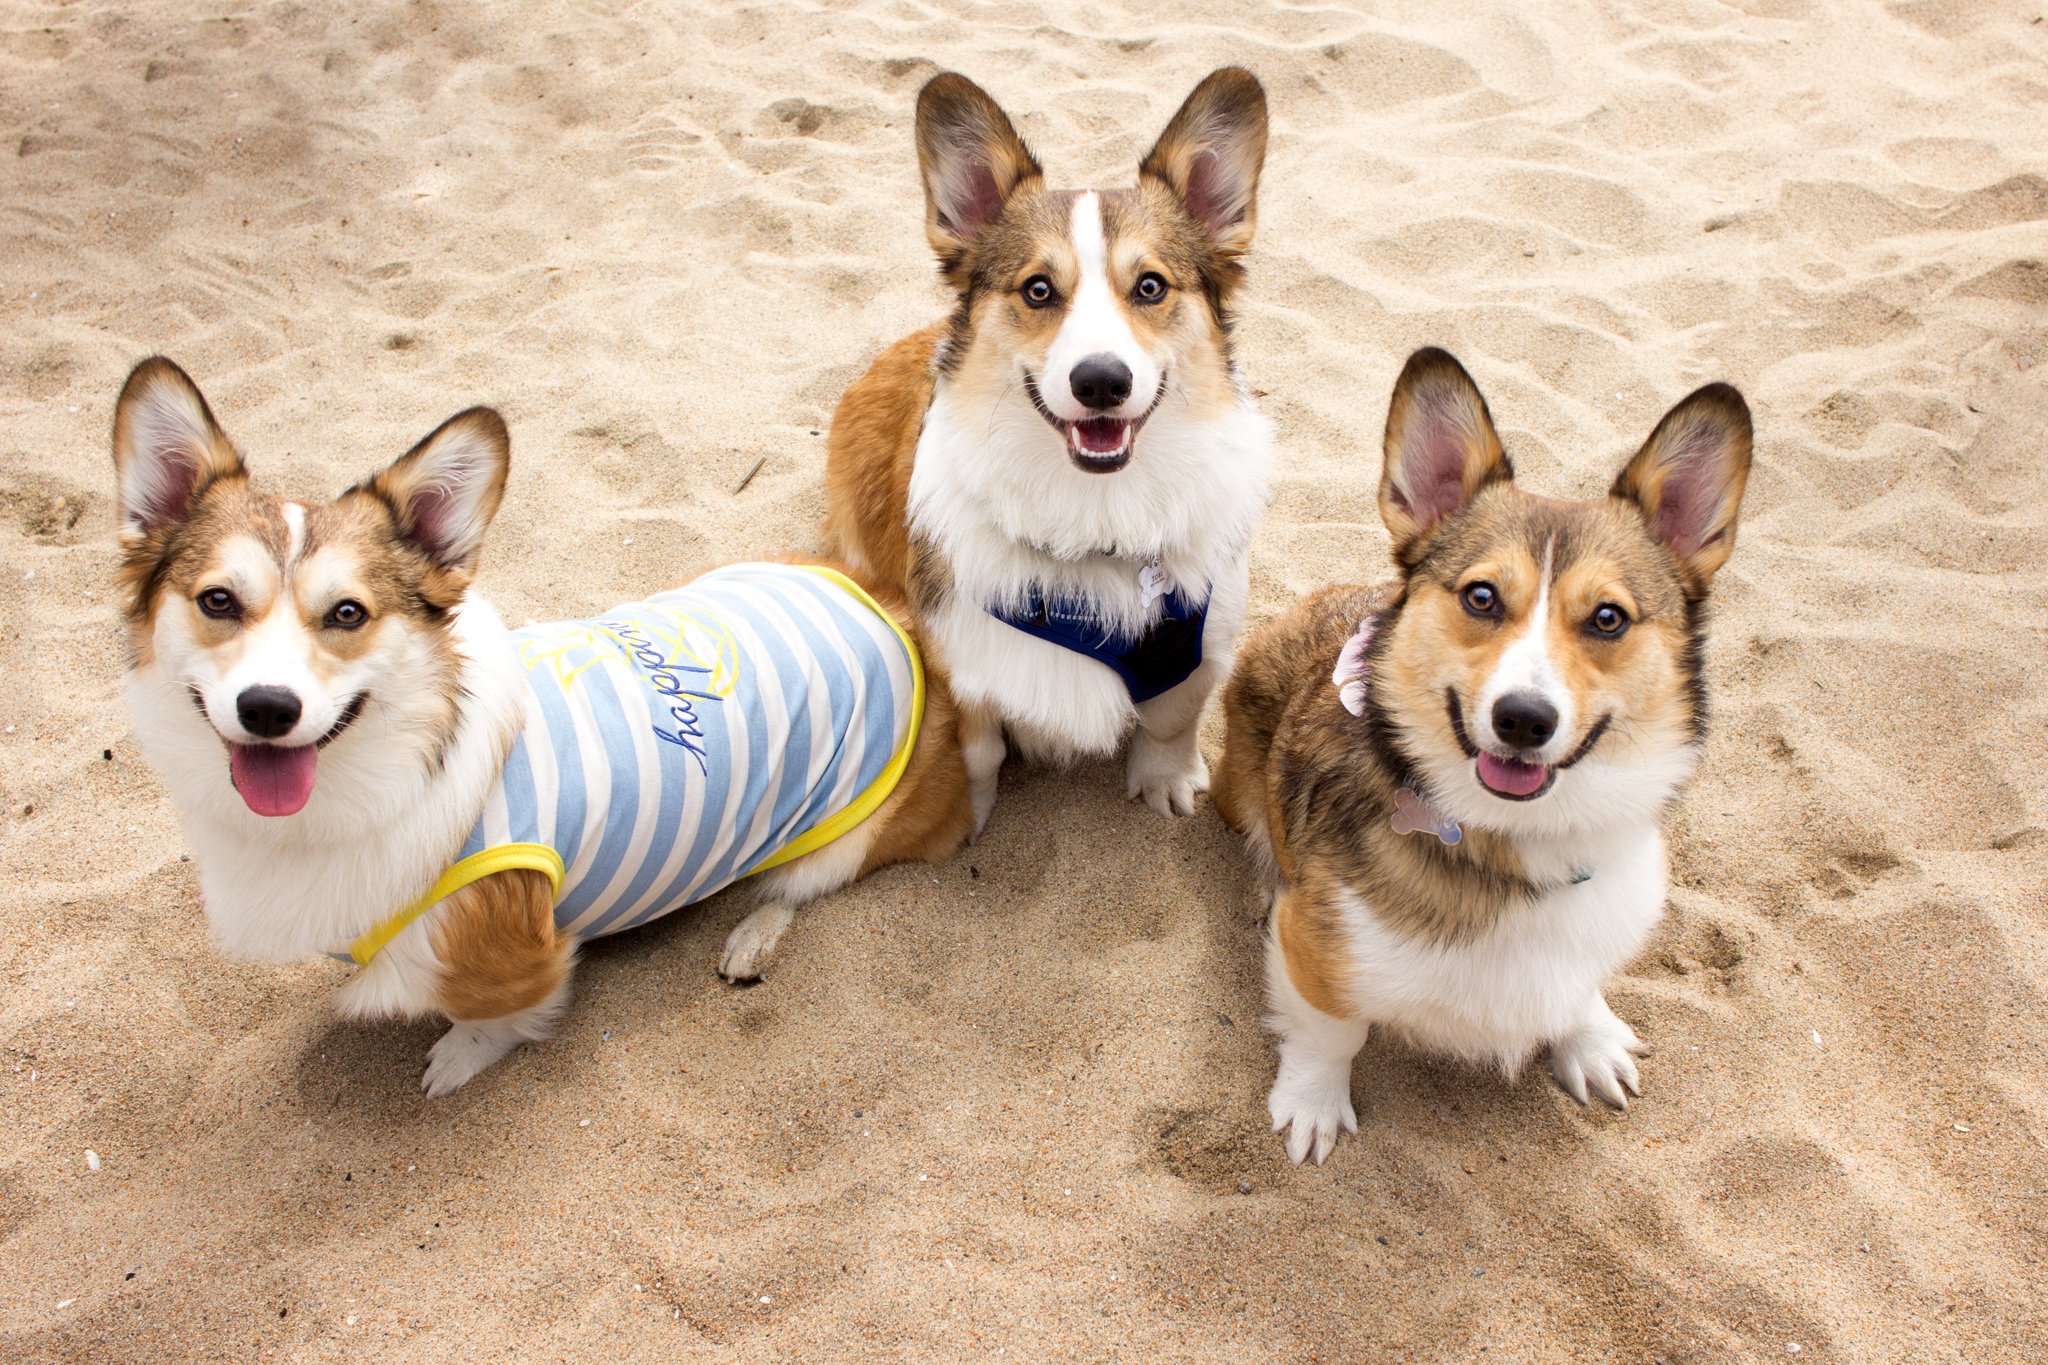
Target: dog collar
pixel 1152 661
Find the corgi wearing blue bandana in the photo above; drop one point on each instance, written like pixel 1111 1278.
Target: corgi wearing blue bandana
pixel 369 764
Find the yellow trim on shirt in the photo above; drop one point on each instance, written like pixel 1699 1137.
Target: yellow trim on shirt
pixel 869 801
pixel 477 866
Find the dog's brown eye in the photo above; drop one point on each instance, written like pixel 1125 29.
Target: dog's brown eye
pixel 347 615
pixel 1609 619
pixel 1039 293
pixel 1481 599
pixel 1151 287
pixel 220 604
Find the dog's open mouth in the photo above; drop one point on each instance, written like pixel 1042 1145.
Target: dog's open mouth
pixel 1511 778
pixel 1514 779
pixel 277 779
pixel 1099 445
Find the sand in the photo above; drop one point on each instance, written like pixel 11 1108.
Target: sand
pixel 1014 1105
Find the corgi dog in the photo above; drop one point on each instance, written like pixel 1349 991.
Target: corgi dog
pixel 368 763
pixel 1454 782
pixel 1064 475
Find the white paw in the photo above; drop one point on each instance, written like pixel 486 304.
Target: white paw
pixel 1167 777
pixel 1598 1060
pixel 1313 1110
pixel 752 942
pixel 464 1050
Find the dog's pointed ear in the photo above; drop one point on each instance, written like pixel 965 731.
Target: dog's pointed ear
pixel 167 447
pixel 1688 480
pixel 1441 449
pixel 1211 154
pixel 445 490
pixel 971 159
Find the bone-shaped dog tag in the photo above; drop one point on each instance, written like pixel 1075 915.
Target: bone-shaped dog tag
pixel 1413 815
pixel 1154 581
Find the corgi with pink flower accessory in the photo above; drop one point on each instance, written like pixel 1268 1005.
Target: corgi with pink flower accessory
pixel 1454 783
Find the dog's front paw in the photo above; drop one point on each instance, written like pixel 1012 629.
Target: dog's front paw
pixel 752 942
pixel 464 1050
pixel 1167 776
pixel 1598 1059
pixel 1313 1111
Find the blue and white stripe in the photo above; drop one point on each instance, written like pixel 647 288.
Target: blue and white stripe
pixel 673 745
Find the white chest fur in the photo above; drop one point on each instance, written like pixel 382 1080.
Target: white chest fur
pixel 1528 980
pixel 994 492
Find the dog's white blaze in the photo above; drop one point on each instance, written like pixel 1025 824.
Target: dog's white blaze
pixel 294 531
pixel 1526 666
pixel 276 654
pixel 1095 325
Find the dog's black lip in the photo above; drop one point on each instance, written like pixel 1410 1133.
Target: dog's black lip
pixel 1586 744
pixel 1060 425
pixel 346 719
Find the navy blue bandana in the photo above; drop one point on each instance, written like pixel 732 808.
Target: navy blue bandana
pixel 1155 660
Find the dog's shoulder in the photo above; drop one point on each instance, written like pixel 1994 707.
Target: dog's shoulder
pixel 869 454
pixel 1286 661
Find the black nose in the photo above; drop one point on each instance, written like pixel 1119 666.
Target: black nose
pixel 1100 381
pixel 268 712
pixel 1524 720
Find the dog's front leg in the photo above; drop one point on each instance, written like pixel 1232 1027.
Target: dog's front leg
pixel 504 973
pixel 1310 1101
pixel 1166 770
pixel 1596 1059
pixel 983 749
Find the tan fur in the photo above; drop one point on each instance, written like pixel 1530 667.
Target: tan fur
pixel 1215 176
pixel 496 943
pixel 869 456
pixel 1309 928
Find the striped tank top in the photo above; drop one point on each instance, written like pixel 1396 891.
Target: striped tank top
pixel 676 745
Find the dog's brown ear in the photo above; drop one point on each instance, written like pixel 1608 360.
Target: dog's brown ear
pixel 1688 480
pixel 972 161
pixel 167 447
pixel 1211 155
pixel 445 490
pixel 1441 449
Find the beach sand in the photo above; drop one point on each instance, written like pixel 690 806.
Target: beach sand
pixel 1015 1105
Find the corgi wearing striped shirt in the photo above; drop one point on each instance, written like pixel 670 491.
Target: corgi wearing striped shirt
pixel 369 764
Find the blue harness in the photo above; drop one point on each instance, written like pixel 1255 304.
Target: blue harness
pixel 1157 659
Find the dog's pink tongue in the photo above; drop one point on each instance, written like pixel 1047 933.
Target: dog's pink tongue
pixel 1511 776
pixel 274 780
pixel 1101 435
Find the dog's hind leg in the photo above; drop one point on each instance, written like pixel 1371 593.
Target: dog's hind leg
pixel 928 817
